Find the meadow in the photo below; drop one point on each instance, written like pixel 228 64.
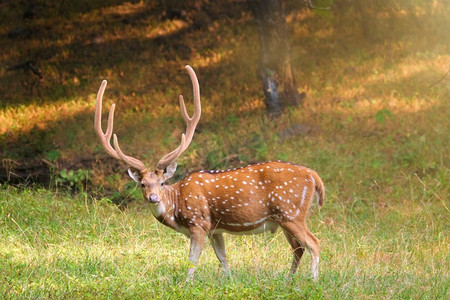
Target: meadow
pixel 375 126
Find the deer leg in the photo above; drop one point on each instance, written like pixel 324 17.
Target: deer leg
pixel 306 239
pixel 197 237
pixel 298 251
pixel 315 258
pixel 218 245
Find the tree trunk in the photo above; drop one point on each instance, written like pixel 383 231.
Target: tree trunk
pixel 278 80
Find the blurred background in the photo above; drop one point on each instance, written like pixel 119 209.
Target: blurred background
pixel 361 73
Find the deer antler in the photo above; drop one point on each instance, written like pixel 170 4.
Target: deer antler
pixel 191 124
pixel 105 138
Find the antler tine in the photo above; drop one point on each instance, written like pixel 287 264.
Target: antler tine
pixel 105 138
pixel 170 158
pixel 191 123
pixel 131 161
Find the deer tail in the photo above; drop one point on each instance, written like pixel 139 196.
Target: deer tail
pixel 320 188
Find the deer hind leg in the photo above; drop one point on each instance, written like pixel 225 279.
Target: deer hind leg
pixel 197 237
pixel 306 239
pixel 218 245
pixel 298 251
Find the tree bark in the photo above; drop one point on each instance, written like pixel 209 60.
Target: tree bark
pixel 276 73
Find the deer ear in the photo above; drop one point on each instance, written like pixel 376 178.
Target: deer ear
pixel 134 174
pixel 170 170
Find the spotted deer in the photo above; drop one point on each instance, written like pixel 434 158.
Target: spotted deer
pixel 248 200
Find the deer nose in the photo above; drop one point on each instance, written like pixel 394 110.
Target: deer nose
pixel 153 198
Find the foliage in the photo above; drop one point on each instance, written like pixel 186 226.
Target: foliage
pixel 382 114
pixel 53 155
pixel 75 179
pixel 130 192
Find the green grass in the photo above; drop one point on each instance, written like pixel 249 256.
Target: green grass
pixel 379 138
pixel 58 245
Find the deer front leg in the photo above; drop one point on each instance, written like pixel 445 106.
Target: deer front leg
pixel 218 245
pixel 197 237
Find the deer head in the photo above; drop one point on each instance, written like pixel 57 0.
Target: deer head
pixel 150 181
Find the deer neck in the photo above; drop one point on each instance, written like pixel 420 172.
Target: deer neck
pixel 164 211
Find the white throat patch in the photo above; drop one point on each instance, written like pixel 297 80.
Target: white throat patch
pixel 158 209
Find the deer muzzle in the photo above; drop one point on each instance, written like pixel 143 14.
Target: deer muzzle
pixel 153 198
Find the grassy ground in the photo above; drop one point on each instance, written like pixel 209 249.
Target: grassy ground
pixel 377 120
pixel 55 245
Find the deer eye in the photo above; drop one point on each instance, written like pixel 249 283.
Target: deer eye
pixel 142 185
